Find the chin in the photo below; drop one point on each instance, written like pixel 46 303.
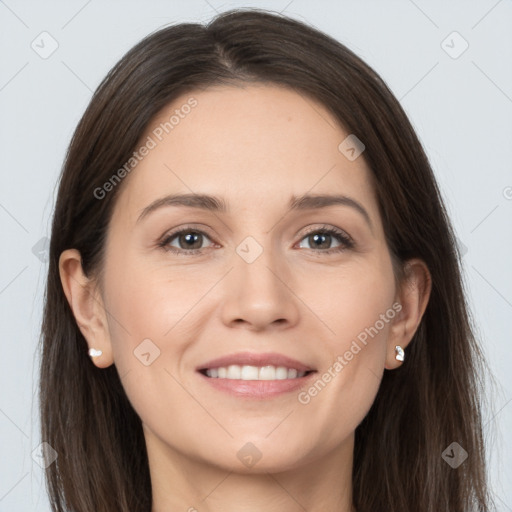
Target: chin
pixel 254 455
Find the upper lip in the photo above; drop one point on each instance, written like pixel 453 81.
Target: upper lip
pixel 253 359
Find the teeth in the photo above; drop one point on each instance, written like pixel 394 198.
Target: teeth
pixel 235 371
pixel 281 373
pixel 249 373
pixel 267 373
pixel 292 373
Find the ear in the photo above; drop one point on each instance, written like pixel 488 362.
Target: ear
pixel 413 296
pixel 87 306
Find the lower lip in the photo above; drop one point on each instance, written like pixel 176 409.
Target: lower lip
pixel 258 389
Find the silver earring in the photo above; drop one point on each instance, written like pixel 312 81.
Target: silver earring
pixel 399 353
pixel 95 353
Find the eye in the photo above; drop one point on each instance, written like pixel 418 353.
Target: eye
pixel 322 239
pixel 187 240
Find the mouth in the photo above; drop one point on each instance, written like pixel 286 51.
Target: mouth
pixel 248 372
pixel 256 376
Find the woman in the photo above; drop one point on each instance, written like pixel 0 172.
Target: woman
pixel 254 299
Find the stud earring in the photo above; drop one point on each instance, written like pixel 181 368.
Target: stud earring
pixel 399 353
pixel 95 353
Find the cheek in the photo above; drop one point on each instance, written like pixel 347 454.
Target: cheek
pixel 361 317
pixel 146 309
pixel 355 302
pixel 142 307
pixel 151 302
pixel 347 384
pixel 359 312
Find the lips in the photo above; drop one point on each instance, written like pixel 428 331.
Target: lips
pixel 255 376
pixel 253 359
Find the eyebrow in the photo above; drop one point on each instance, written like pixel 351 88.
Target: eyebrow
pixel 217 204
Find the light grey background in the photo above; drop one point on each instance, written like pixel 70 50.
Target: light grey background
pixel 461 108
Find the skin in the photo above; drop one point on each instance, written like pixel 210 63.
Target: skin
pixel 254 146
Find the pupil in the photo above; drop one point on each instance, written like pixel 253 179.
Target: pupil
pixel 191 238
pixel 320 237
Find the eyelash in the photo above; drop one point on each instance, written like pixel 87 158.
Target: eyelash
pixel 345 241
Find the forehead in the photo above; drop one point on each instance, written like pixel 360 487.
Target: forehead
pixel 253 144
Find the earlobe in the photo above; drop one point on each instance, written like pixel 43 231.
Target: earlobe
pixel 87 307
pixel 413 296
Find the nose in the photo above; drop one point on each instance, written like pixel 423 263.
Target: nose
pixel 259 295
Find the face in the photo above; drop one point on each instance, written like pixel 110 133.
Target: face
pixel 261 283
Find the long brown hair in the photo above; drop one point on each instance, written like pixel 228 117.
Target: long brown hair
pixel 433 400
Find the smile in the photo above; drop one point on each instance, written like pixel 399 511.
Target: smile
pixel 247 372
